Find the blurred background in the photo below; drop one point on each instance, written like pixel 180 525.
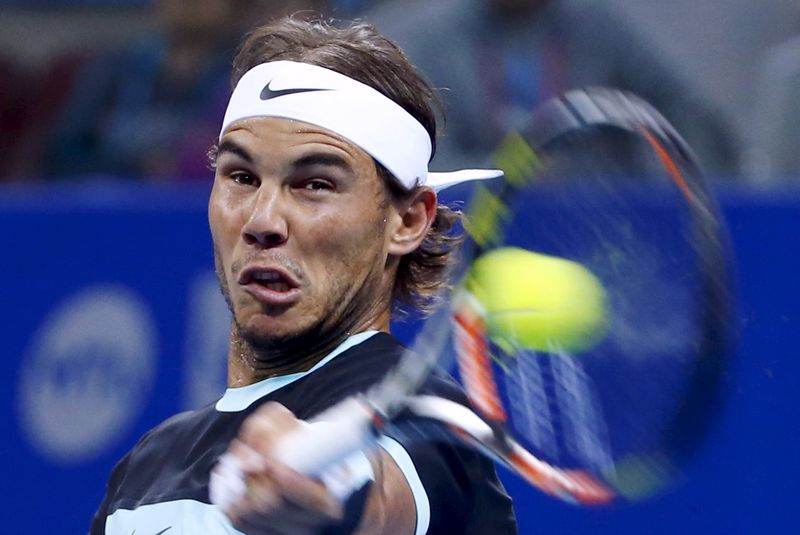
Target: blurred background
pixel 112 318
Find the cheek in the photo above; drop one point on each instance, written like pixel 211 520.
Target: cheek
pixel 225 230
pixel 354 242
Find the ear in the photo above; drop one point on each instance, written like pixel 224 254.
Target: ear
pixel 411 221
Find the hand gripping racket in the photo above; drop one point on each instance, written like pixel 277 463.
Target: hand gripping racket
pixel 601 180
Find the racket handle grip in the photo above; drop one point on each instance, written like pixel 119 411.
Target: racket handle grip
pixel 331 438
pixel 328 439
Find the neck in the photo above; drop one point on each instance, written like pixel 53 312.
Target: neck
pixel 248 364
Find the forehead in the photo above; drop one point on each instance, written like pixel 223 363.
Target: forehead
pixel 274 136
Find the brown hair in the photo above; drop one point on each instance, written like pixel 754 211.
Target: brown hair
pixel 358 51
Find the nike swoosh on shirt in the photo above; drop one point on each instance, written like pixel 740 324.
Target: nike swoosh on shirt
pixel 267 93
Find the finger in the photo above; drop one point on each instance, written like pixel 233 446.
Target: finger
pixel 247 459
pixel 262 495
pixel 227 482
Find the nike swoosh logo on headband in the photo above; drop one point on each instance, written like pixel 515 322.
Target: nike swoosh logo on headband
pixel 267 93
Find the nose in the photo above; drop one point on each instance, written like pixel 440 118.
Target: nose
pixel 267 225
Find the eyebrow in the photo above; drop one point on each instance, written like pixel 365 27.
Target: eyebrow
pixel 309 160
pixel 234 148
pixel 325 159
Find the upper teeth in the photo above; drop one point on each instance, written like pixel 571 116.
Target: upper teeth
pixel 266 276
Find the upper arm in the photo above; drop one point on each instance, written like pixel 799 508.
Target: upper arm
pixel 430 487
pixel 390 506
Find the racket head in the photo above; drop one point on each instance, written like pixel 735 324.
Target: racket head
pixel 616 190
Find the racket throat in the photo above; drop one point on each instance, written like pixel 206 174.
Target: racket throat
pixel 475 366
pixel 475 360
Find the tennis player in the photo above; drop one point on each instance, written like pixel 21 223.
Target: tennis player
pixel 325 222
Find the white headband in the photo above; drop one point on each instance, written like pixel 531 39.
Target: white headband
pixel 357 112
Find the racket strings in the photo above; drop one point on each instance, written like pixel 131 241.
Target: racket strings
pixel 530 403
pixel 585 432
pixel 556 411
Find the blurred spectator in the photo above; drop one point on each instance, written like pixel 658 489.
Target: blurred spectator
pixel 499 58
pixel 32 99
pixel 13 108
pixel 149 109
pixel 775 156
pixel 154 108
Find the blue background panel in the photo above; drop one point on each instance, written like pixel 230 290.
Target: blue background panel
pixel 112 321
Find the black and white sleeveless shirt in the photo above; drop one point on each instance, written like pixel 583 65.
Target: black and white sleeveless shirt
pixel 161 485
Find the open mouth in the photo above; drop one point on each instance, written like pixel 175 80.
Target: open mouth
pixel 272 280
pixel 272 286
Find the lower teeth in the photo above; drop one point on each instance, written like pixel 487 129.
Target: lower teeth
pixel 278 287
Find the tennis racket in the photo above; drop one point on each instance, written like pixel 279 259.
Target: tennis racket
pixel 601 179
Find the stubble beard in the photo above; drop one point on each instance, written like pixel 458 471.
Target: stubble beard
pixel 264 351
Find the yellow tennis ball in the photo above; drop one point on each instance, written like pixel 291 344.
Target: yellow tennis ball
pixel 537 301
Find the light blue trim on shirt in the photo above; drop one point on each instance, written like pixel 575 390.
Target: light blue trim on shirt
pixel 238 399
pixel 403 460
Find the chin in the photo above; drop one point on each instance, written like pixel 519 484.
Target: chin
pixel 267 332
pixel 263 342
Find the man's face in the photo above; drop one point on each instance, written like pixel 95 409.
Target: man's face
pixel 299 221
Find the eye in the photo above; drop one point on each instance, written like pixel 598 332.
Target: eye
pixel 244 179
pixel 318 184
